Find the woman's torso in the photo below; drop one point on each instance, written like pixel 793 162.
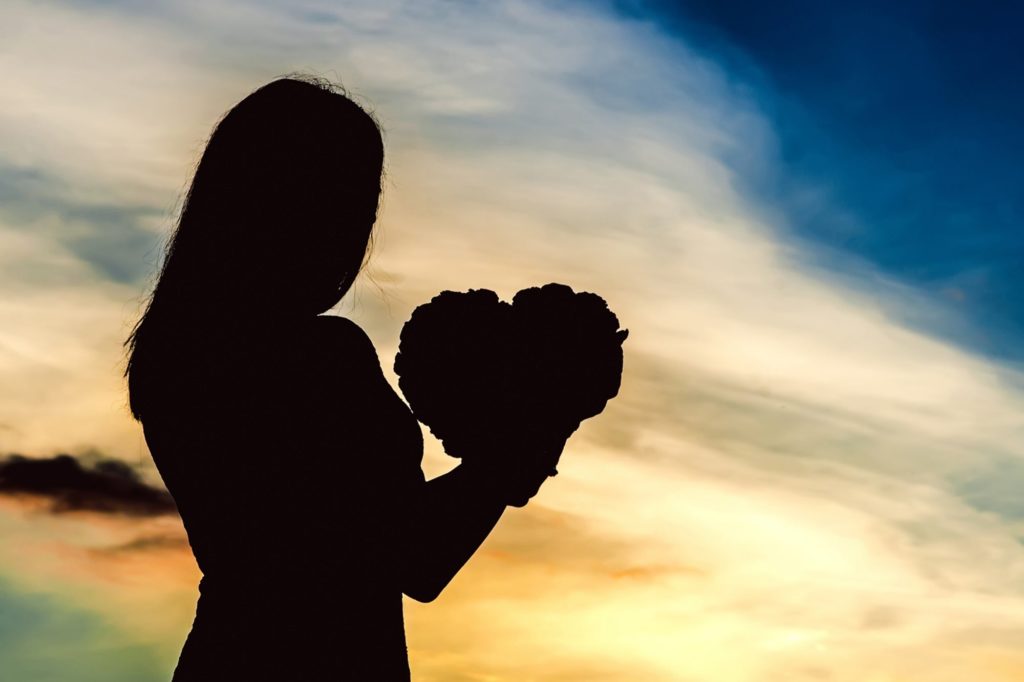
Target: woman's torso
pixel 294 465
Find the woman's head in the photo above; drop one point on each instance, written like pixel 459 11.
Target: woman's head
pixel 279 214
pixel 277 220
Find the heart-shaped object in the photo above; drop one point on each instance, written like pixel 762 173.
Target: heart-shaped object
pixel 488 376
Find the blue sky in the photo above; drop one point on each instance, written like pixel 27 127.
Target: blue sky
pixel 80 645
pixel 907 116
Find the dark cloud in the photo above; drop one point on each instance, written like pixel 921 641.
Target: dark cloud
pixel 108 486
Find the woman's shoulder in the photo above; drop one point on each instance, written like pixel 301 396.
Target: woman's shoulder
pixel 340 349
pixel 335 333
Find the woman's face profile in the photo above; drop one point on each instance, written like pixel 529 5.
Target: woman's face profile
pixel 291 179
pixel 346 222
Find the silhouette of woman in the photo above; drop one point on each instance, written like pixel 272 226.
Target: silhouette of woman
pixel 294 465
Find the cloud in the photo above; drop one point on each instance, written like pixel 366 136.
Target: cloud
pixel 107 486
pixel 149 543
pixel 113 238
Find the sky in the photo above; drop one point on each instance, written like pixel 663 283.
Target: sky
pixel 805 214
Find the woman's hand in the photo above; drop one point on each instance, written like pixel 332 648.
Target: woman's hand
pixel 534 466
pixel 517 466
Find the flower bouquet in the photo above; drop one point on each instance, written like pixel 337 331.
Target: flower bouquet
pixel 503 385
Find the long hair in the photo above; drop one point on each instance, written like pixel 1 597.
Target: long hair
pixel 274 227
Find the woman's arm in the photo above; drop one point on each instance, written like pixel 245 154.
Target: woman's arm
pixel 459 509
pixel 455 514
pixel 447 519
